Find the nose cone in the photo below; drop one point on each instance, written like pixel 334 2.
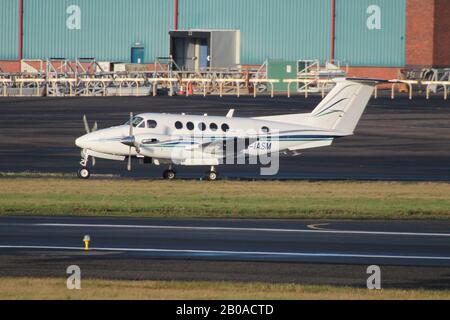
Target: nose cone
pixel 128 141
pixel 81 142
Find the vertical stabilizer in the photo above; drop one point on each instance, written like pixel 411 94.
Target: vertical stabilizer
pixel 342 108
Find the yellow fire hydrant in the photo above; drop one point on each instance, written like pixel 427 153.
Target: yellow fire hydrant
pixel 86 240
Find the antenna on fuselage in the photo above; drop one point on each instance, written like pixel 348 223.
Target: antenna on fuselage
pixel 230 113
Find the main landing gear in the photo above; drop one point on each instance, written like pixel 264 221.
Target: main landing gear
pixel 212 174
pixel 169 174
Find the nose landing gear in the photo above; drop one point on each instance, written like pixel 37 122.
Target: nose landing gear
pixel 84 173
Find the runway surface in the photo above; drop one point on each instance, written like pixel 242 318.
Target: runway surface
pixel 411 254
pixel 395 140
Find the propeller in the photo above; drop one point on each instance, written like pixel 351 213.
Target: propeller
pixel 130 134
pixel 130 141
pixel 88 130
pixel 86 125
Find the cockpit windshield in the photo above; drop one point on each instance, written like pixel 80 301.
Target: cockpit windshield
pixel 135 121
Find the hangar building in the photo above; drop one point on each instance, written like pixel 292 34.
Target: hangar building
pixel 372 37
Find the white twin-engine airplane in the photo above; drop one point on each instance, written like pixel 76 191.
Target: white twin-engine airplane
pixel 190 140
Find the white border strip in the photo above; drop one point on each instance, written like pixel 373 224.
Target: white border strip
pixel 226 252
pixel 125 226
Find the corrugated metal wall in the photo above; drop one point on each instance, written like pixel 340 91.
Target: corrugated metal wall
pixel 277 29
pixel 9 29
pixel 361 46
pixel 108 28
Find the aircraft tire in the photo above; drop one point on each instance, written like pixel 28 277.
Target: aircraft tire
pixel 169 174
pixel 211 176
pixel 84 173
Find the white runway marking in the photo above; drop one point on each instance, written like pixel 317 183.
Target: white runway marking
pixel 225 252
pixel 125 226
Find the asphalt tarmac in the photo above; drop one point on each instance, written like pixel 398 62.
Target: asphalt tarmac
pixel 395 140
pixel 411 254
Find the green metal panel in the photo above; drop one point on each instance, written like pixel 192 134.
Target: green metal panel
pixel 358 45
pixel 107 28
pixel 283 29
pixel 277 29
pixel 9 29
pixel 281 69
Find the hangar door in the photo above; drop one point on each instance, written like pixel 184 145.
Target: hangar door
pixel 203 49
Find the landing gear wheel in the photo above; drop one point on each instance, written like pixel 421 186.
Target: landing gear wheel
pixel 211 176
pixel 169 174
pixel 84 173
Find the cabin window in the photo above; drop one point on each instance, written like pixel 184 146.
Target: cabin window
pixel 178 125
pixel 151 124
pixel 202 126
pixel 190 126
pixel 225 127
pixel 135 121
pixel 265 130
pixel 213 126
pixel 142 125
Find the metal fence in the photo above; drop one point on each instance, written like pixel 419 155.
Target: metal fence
pixel 87 77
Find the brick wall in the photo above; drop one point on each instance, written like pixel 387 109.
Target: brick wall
pixel 428 33
pixel 441 54
pixel 419 32
pixel 14 66
pixel 374 72
pixel 10 66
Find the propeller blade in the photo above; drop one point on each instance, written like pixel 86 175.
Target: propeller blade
pixel 86 126
pixel 131 124
pixel 95 127
pixel 129 160
pixel 93 161
pixel 129 141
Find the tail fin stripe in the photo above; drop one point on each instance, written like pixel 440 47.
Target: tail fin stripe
pixel 332 111
pixel 321 112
